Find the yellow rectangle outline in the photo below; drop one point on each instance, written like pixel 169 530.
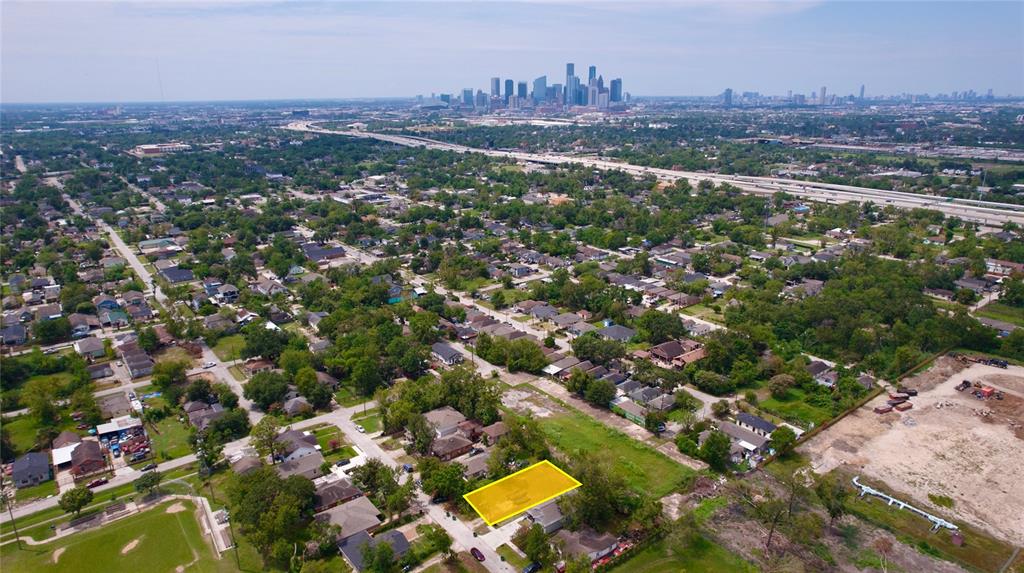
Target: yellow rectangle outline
pixel 532 505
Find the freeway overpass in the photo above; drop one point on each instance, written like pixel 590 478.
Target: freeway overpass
pixel 985 213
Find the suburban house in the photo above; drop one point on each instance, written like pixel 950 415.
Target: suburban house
pixel 445 354
pixel 755 424
pixel 297 444
pixel 306 466
pixel 90 348
pixel 677 353
pixel 352 547
pixel 31 469
pixel 87 458
pixel 586 542
pixel 548 516
pixel 617 332
pixel 355 516
pixel 445 420
pixel 450 447
pixel 745 443
pixel 334 493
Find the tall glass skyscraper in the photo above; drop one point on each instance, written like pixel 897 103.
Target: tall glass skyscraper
pixel 616 90
pixel 509 86
pixel 540 89
pixel 495 87
pixel 591 74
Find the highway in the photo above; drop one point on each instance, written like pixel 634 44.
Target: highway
pixel 986 213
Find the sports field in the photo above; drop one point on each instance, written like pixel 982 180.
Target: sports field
pixel 164 538
pixel 520 491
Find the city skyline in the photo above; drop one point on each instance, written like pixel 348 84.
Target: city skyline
pixel 129 51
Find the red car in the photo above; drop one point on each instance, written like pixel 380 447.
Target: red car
pixel 476 554
pixel 97 482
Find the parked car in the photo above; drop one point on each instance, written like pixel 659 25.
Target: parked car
pixel 532 568
pixel 209 365
pixel 82 426
pixel 97 482
pixel 360 429
pixel 476 554
pixel 342 462
pixel 407 468
pixel 148 467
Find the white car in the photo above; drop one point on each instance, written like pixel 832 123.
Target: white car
pixel 360 429
pixel 209 365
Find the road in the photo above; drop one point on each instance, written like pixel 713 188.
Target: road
pixel 988 213
pixel 126 253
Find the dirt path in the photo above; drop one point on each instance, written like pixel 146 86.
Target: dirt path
pixel 57 553
pixel 176 508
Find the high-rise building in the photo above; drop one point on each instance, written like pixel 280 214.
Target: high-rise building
pixel 481 100
pixel 592 92
pixel 467 96
pixel 727 97
pixel 823 99
pixel 540 89
pixel 570 72
pixel 521 91
pixel 861 92
pixel 616 90
pixel 509 86
pixel 591 74
pixel 495 87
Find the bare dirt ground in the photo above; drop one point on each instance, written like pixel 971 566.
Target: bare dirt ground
pixel 176 508
pixel 131 545
pixel 950 444
pixel 57 553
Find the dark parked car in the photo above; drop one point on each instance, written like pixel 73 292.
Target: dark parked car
pixel 532 568
pixel 476 554
pixel 341 462
pixel 148 467
pixel 97 482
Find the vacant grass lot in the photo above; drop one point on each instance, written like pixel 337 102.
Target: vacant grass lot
pixel 795 408
pixel 165 541
pixel 169 439
pixel 643 468
pixel 346 397
pixel 229 347
pixel 1004 312
pixel 370 420
pixel 44 489
pixel 700 555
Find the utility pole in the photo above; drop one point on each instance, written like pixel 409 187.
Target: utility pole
pixel 10 512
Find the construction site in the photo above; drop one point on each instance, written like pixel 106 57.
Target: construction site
pixel 953 432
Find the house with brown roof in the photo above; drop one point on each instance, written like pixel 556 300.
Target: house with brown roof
pixel 87 459
pixel 450 447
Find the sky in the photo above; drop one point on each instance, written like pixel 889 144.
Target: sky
pixel 82 51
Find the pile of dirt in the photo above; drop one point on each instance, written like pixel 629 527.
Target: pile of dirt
pixel 131 545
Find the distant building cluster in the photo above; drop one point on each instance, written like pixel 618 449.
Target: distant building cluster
pixel 593 93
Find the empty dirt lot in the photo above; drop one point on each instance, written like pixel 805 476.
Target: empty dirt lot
pixel 950 444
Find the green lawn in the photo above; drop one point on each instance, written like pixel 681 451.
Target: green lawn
pixel 369 420
pixel 175 354
pixel 61 378
pixel 794 408
pixel 346 397
pixel 44 489
pixel 704 312
pixel 325 435
pixel 513 558
pixel 643 468
pixel 165 541
pixel 701 554
pixel 1003 312
pixel 229 347
pixel 169 439
pixel 23 429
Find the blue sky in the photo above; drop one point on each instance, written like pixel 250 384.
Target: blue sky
pixel 148 51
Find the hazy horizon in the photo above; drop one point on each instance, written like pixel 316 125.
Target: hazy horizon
pixel 142 52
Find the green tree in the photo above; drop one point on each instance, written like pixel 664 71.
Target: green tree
pixel 656 327
pixel 148 482
pixel 39 395
pixel 207 450
pixel 380 558
pixel 148 339
pixel 50 331
pixel 293 360
pixel 424 327
pixel 720 409
pixel 715 450
pixel 783 439
pixel 600 393
pixel 263 342
pixel 534 543
pixel 75 500
pixel 263 437
pixel 422 433
pixel 779 385
pixel 833 495
pixel 441 479
pixel 266 389
pixel 310 387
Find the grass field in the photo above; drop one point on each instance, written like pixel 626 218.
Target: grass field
pixel 794 408
pixel 229 347
pixel 700 555
pixel 643 468
pixel 165 541
pixel 23 430
pixel 512 558
pixel 169 439
pixel 704 312
pixel 325 435
pixel 175 354
pixel 1003 312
